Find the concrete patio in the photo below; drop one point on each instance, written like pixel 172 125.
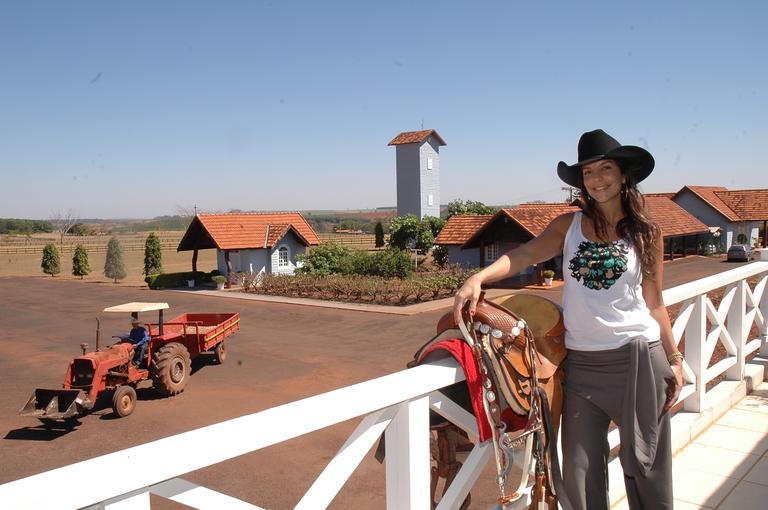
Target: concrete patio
pixel 725 466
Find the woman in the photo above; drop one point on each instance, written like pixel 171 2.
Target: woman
pixel 623 364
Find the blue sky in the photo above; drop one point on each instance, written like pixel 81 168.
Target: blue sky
pixel 133 109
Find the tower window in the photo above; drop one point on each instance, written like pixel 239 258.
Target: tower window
pixel 430 199
pixel 429 164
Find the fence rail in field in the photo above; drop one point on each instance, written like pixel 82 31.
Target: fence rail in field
pixel 397 405
pixel 69 248
pixel 354 240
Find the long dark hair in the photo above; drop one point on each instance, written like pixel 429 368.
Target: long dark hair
pixel 636 225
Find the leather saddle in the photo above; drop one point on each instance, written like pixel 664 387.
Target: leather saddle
pixel 513 321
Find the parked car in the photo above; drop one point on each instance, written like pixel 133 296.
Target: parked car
pixel 740 252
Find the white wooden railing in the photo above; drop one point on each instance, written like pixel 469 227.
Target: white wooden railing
pixel 397 405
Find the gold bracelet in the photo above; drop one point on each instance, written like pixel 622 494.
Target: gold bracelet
pixel 674 357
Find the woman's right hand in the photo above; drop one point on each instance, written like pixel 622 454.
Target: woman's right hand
pixel 469 292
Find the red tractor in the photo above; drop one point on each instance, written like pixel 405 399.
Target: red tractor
pixel 171 348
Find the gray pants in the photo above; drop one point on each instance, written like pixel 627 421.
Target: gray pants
pixel 601 386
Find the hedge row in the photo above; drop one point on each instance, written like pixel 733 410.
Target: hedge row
pixel 172 280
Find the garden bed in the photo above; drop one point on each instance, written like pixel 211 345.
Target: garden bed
pixel 416 288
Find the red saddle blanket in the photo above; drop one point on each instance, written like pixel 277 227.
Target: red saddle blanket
pixel 462 353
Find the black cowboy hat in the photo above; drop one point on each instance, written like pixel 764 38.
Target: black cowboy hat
pixel 596 145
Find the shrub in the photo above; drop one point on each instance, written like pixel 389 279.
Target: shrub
pixel 172 280
pixel 324 260
pixel 153 257
pixel 379 233
pixel 390 263
pixel 548 273
pixel 80 266
pixel 50 263
pixel 440 255
pixel 219 279
pixel 113 266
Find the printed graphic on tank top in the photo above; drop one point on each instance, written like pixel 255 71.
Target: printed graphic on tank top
pixel 603 304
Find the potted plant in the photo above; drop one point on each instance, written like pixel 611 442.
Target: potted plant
pixel 219 280
pixel 548 275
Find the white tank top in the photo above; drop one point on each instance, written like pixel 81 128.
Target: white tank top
pixel 603 305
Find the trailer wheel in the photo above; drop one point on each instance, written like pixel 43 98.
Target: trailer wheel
pixel 170 369
pixel 124 401
pixel 221 352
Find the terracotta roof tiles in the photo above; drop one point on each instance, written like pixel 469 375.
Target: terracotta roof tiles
pixel 239 231
pixel 671 218
pixel 709 195
pixel 748 204
pixel 535 217
pixel 459 229
pixel 416 137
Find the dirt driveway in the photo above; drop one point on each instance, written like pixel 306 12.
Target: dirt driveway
pixel 282 353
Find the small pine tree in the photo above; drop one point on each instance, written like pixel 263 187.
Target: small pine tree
pixel 114 267
pixel 153 257
pixel 50 263
pixel 80 266
pixel 379 232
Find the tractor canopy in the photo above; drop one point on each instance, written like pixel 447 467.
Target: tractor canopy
pixel 136 307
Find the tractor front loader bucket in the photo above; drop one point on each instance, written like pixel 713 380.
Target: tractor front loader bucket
pixel 54 404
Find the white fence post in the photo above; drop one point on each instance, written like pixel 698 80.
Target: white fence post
pixel 695 334
pixel 737 330
pixel 407 450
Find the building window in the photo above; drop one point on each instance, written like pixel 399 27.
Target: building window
pixel 282 257
pixel 430 200
pixel 430 164
pixel 491 252
pixel 741 238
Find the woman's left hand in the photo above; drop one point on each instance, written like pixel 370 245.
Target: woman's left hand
pixel 674 386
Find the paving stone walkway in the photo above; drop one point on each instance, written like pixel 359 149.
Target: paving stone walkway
pixel 726 466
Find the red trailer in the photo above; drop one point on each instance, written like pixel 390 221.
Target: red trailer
pixel 171 348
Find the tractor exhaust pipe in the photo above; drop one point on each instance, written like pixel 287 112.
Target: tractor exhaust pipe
pixel 98 333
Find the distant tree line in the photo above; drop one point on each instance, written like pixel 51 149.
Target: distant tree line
pixel 20 226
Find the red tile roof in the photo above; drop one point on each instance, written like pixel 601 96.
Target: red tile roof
pixel 709 195
pixel 240 231
pixel 416 137
pixel 748 204
pixel 671 218
pixel 459 229
pixel 535 217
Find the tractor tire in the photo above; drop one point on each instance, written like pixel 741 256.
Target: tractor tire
pixel 221 352
pixel 170 369
pixel 123 401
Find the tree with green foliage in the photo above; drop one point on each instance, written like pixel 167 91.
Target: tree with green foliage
pixel 440 255
pixel 470 207
pixel 51 264
pixel 114 267
pixel 80 229
pixel 408 232
pixel 80 265
pixel 153 256
pixel 379 233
